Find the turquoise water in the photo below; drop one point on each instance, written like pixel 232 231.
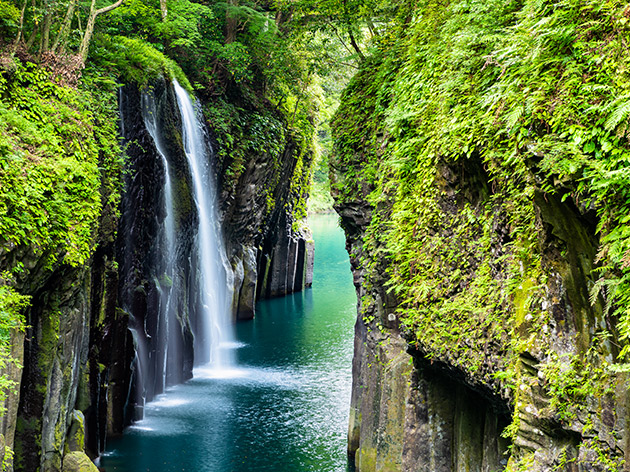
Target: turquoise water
pixel 284 408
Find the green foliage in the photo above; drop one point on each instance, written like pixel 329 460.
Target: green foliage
pixel 134 60
pixel 502 82
pixel 252 75
pixel 354 23
pixel 357 149
pixel 471 114
pixel 12 305
pixel 241 133
pixel 320 200
pixel 187 27
pixel 9 19
pixel 570 380
pixel 49 178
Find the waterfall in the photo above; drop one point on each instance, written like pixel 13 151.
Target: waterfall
pixel 173 267
pixel 165 340
pixel 210 257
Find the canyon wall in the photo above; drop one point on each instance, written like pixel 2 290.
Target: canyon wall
pixel 79 378
pixel 491 326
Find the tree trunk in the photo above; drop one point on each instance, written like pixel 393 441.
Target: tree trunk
pixel 231 23
pixel 373 31
pixel 89 27
pixel 21 27
pixel 87 35
pixel 64 32
pixel 353 41
pixel 31 40
pixel 46 33
pixel 163 9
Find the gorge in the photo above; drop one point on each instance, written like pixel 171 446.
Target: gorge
pixel 285 404
pixel 477 155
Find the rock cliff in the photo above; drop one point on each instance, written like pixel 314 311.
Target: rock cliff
pixel 485 338
pixel 89 315
pixel 263 180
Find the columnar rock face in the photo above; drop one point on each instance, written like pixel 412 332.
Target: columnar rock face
pixel 408 413
pixel 8 421
pixel 259 217
pixel 56 346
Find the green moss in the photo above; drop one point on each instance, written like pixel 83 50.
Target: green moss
pixel 24 427
pixel 53 139
pixel 50 334
pixel 367 459
pixel 356 148
pixel 60 178
pixel 522 300
pixel 78 462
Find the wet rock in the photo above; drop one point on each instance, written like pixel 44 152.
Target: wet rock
pixel 8 420
pixel 309 248
pixel 75 440
pixel 247 295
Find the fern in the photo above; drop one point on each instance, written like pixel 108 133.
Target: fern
pixel 619 114
pixel 513 117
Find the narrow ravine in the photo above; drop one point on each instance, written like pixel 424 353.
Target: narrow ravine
pixel 285 408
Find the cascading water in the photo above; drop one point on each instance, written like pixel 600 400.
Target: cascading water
pixel 172 260
pixel 164 283
pixel 210 253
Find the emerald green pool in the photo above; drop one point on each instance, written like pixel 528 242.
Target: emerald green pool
pixel 283 408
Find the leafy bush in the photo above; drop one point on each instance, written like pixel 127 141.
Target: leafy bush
pixel 9 20
pixel 49 176
pixel 134 60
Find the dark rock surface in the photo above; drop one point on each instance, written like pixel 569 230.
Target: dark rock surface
pixel 139 248
pixel 253 225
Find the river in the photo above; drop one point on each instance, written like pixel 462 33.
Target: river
pixel 283 408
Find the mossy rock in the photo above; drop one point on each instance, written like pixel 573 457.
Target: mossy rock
pixel 75 441
pixel 78 462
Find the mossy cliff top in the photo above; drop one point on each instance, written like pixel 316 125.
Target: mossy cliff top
pixel 492 160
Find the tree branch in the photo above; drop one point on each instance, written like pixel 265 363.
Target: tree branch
pixel 108 8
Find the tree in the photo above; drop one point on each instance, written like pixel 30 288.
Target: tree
pixel 40 27
pixel 89 29
pixel 351 21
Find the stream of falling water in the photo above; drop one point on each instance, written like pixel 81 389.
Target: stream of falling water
pixel 210 252
pixel 204 298
pixel 166 314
